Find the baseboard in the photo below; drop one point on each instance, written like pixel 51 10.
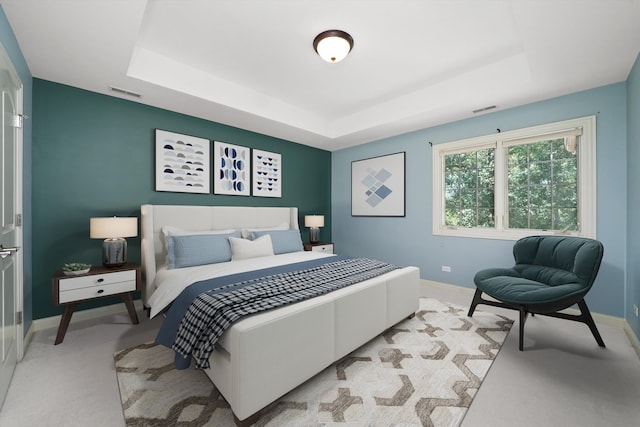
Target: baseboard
pixel 79 316
pixel 27 339
pixel 54 321
pixel 635 343
pixel 448 287
pixel 604 319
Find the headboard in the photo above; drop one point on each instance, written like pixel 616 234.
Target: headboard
pixel 154 217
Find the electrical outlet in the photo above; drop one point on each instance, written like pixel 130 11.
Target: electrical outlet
pixel 446 268
pixel 635 310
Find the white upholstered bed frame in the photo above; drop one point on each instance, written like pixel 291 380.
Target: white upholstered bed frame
pixel 268 354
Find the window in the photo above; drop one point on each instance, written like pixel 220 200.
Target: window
pixel 538 180
pixel 469 188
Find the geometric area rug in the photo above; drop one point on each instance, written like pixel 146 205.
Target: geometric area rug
pixel 424 371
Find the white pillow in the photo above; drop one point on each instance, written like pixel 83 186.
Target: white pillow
pixel 244 249
pixel 246 232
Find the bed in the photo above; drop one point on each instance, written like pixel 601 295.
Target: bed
pixel 263 356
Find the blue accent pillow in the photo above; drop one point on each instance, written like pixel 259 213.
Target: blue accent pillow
pixel 283 241
pixel 198 249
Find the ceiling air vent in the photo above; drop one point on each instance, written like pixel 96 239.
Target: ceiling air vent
pixel 124 92
pixel 480 110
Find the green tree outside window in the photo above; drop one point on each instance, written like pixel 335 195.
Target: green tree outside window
pixel 542 186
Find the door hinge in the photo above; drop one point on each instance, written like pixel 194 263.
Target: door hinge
pixel 18 220
pixel 18 120
pixel 19 318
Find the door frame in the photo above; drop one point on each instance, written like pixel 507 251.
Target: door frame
pixel 18 170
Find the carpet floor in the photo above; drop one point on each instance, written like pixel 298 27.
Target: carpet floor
pixel 424 371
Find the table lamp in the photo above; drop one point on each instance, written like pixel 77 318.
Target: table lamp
pixel 113 230
pixel 314 222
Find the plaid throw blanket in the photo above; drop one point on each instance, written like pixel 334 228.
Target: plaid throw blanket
pixel 210 314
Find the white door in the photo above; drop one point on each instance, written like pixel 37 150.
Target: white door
pixel 10 229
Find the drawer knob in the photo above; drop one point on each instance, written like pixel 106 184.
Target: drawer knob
pixel 100 291
pixel 100 280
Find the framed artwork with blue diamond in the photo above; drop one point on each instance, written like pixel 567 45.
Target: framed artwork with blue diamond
pixel 378 186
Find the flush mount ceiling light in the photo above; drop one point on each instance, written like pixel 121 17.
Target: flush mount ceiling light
pixel 333 45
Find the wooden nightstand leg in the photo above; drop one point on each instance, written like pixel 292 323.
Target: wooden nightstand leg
pixel 128 301
pixel 64 322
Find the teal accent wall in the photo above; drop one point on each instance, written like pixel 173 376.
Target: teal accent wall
pixel 10 45
pixel 409 240
pixel 633 196
pixel 94 155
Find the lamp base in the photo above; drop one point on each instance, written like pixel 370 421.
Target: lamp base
pixel 114 252
pixel 314 235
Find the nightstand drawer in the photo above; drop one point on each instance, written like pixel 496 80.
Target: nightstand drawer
pixel 328 248
pixel 96 290
pixel 105 279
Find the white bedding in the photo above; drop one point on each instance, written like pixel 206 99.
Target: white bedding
pixel 168 284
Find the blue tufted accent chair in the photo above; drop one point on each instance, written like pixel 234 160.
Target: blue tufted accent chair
pixel 551 273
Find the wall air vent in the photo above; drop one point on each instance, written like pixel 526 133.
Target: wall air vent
pixel 124 92
pixel 480 110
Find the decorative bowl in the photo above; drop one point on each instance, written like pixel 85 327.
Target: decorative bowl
pixel 76 268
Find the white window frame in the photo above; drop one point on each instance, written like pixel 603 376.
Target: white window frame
pixel 586 179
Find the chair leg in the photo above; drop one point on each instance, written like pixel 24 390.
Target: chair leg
pixel 523 319
pixel 586 318
pixel 477 298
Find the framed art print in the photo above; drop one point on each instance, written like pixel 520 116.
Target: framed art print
pixel 378 186
pixel 267 174
pixel 231 164
pixel 182 163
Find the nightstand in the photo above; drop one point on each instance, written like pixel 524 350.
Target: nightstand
pixel 99 282
pixel 319 247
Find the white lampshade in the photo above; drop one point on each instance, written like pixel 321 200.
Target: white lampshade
pixel 113 227
pixel 314 221
pixel 333 45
